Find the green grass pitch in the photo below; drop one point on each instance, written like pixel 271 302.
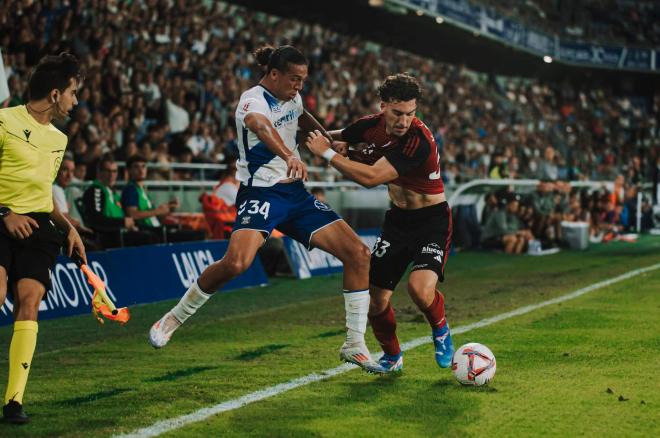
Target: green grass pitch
pixel 585 367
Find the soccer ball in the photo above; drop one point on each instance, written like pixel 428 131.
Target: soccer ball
pixel 473 364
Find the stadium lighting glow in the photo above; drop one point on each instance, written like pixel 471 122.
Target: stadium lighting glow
pixel 439 20
pixel 419 12
pixel 547 59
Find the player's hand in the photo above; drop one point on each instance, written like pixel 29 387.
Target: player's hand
pixel 341 147
pixel 20 226
pixel 317 143
pixel 73 240
pixel 296 168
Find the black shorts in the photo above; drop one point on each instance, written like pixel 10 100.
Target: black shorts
pixel 33 257
pixel 421 237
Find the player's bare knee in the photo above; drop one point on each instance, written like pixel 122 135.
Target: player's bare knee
pixel 421 293
pixel 29 307
pixel 361 257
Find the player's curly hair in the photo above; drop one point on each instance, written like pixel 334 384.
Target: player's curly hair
pixel 270 58
pixel 53 72
pixel 400 87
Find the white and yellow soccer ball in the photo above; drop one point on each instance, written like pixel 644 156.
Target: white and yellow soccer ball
pixel 473 364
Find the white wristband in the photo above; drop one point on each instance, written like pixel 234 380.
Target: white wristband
pixel 328 154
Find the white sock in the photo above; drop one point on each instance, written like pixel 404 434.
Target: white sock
pixel 192 300
pixel 357 306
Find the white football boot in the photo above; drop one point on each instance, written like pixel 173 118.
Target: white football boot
pixel 162 330
pixel 358 354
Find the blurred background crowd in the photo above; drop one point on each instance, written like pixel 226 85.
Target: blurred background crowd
pixel 163 79
pixel 635 22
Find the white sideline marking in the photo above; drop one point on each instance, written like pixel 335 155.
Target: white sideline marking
pixel 204 413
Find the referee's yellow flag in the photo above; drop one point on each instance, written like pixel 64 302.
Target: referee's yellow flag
pixel 102 305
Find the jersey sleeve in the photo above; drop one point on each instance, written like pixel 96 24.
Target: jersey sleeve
pixel 354 133
pixel 129 196
pixel 413 153
pixel 251 104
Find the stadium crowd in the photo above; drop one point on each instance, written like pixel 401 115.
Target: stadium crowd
pixel 163 79
pixel 532 221
pixel 612 21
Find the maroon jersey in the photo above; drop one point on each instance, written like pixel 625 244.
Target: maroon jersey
pixel 414 155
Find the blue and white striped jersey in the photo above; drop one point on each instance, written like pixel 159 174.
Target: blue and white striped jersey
pixel 257 165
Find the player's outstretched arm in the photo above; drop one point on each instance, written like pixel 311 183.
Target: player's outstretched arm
pixel 265 131
pixel 368 176
pixel 308 124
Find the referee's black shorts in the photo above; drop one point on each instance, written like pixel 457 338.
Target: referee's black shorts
pixel 421 237
pixel 33 257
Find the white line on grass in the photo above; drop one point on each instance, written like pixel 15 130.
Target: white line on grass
pixel 204 413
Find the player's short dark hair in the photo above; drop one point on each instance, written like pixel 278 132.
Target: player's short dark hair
pixel 53 72
pixel 270 58
pixel 137 158
pixel 317 190
pixel 105 159
pixel 399 87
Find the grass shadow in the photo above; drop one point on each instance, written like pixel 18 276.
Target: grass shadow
pixel 174 375
pixel 92 397
pixel 261 351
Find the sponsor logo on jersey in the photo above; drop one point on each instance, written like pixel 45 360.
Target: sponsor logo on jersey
pixel 289 117
pixel 245 220
pixel 321 206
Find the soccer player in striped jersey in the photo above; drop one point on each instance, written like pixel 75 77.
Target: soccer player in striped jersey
pixel 272 195
pixel 31 150
pixel 399 150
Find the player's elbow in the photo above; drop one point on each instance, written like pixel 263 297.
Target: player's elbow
pixel 372 180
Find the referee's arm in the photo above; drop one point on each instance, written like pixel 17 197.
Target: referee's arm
pixel 73 239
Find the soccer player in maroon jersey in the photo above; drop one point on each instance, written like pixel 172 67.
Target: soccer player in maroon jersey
pixel 400 151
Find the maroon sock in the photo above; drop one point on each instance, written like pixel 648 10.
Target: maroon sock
pixel 435 314
pixel 384 326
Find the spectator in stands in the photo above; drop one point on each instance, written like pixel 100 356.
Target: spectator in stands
pixel 547 167
pixel 133 80
pixel 498 168
pixel 543 202
pixel 62 182
pixel 137 205
pixel 319 194
pixel 492 204
pixel 136 202
pixel 503 230
pixel 103 213
pixel 227 188
pixel 201 144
